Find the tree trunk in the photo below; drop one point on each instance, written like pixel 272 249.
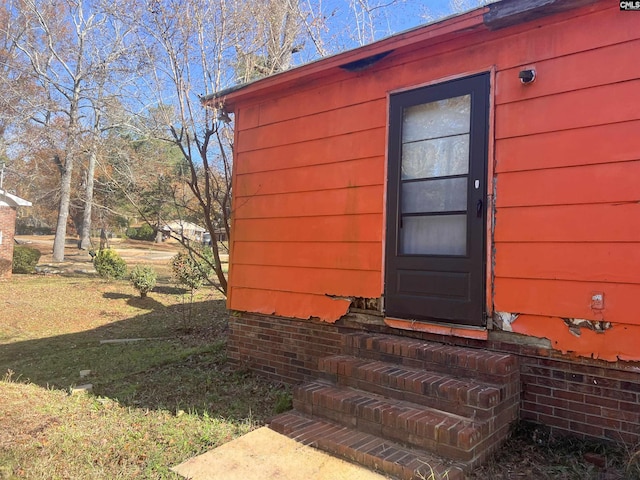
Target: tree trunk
pixel 85 242
pixel 63 209
pixel 65 181
pixel 159 232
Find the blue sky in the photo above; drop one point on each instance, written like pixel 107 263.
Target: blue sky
pixel 388 16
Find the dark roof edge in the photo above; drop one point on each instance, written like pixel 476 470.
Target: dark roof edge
pixel 512 12
pixel 223 93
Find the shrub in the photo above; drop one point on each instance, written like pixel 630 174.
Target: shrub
pixel 143 279
pixel 190 271
pixel 144 232
pixel 109 264
pixel 25 259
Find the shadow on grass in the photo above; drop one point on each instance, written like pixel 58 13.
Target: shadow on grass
pixel 146 303
pixel 168 290
pixel 180 365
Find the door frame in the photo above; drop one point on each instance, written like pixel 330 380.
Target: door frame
pixel 442 327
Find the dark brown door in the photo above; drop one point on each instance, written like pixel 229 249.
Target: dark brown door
pixel 436 202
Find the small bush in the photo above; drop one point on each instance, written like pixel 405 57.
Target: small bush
pixel 143 279
pixel 189 271
pixel 25 259
pixel 144 232
pixel 109 264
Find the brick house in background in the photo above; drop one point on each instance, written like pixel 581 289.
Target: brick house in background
pixel 439 233
pixel 8 206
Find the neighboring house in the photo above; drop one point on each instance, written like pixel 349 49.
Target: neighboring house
pixel 189 230
pixel 8 206
pixel 221 236
pixel 473 182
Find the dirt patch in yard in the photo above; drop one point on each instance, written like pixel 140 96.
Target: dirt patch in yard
pixel 77 261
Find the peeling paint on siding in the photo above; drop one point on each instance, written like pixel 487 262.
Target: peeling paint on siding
pixel 503 320
pixel 576 324
pixel 339 297
pixel 602 340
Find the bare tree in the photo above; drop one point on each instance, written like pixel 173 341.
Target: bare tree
pixel 269 46
pixel 195 53
pixel 188 52
pixel 67 48
pixel 75 53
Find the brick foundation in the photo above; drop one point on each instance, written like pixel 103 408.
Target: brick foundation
pixel 587 398
pixel 7 227
pixel 282 349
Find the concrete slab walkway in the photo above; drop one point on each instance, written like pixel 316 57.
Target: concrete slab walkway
pixel 265 454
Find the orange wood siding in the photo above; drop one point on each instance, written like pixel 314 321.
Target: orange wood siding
pixel 568 202
pixel 310 174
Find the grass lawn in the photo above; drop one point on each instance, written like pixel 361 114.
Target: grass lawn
pixel 155 402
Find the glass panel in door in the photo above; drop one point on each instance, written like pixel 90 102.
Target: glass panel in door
pixel 434 177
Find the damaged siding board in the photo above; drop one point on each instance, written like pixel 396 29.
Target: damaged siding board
pixel 605 341
pixel 568 206
pixel 289 304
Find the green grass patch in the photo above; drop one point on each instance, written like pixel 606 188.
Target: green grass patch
pixel 154 403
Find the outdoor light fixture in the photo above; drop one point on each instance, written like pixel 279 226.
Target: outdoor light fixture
pixel 223 116
pixel 527 76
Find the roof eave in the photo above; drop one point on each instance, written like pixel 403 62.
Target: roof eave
pixel 13 200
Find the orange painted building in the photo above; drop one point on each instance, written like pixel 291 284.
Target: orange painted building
pixel 475 181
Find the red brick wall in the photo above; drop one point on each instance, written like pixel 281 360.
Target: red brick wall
pixel 7 227
pixel 587 398
pixel 285 350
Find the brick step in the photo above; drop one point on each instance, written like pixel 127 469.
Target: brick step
pixel 366 449
pixel 443 433
pixel 467 397
pixel 487 366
